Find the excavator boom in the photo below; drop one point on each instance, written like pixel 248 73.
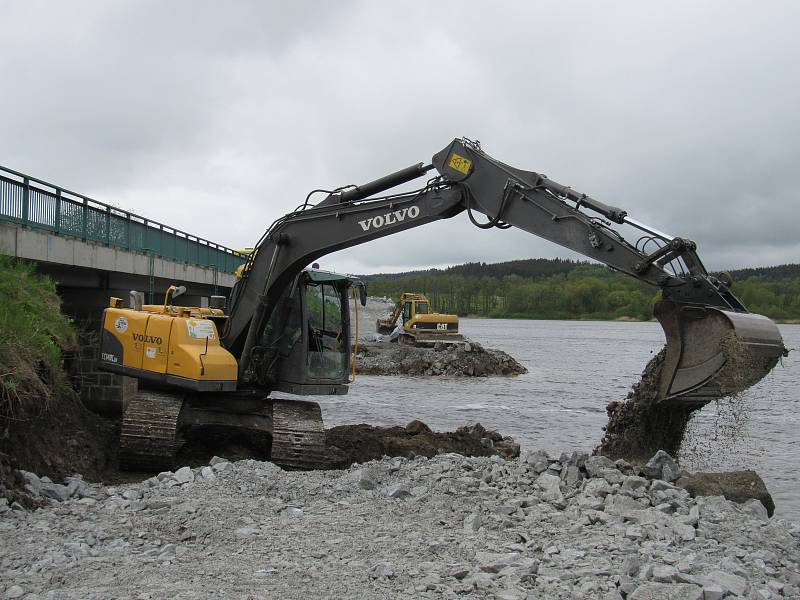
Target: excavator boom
pixel 711 337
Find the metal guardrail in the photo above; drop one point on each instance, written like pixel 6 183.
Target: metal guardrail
pixel 36 203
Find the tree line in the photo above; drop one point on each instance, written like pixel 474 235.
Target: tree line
pixel 563 289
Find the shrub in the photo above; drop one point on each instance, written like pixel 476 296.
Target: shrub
pixel 33 335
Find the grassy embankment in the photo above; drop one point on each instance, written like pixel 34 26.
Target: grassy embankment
pixel 33 335
pixel 43 425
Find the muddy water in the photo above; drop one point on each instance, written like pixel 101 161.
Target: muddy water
pixel 574 370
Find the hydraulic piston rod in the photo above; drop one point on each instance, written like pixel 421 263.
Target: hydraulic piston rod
pixel 379 185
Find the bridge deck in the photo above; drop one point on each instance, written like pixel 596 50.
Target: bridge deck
pixel 25 200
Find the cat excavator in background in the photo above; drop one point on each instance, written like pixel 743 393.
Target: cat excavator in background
pixel 287 327
pixel 419 325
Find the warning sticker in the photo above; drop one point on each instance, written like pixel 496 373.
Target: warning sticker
pixel 121 324
pixel 200 329
pixel 459 163
pixel 151 352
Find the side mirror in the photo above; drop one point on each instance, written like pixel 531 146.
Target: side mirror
pixel 362 294
pixel 180 290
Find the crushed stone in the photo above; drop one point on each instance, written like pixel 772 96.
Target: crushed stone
pixel 443 527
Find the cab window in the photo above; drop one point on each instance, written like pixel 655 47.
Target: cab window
pixel 327 341
pixel 407 311
pixel 422 308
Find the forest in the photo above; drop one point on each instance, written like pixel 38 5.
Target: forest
pixel 566 289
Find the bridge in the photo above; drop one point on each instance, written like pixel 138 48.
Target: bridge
pixel 95 250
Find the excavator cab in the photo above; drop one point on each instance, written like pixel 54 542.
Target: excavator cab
pixel 305 348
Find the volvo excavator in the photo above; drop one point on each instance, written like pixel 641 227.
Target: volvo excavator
pixel 287 330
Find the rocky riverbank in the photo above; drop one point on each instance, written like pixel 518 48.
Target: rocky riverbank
pixel 445 527
pixel 464 360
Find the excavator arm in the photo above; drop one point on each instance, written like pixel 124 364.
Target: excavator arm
pixel 698 311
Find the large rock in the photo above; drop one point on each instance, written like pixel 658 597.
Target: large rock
pixel 623 506
pixel 736 486
pixel 594 465
pixel 727 581
pixel 31 482
pixel 494 562
pixel 662 466
pixel 667 591
pixel 184 475
pixel 550 488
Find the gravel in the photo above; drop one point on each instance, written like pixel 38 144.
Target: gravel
pixel 450 526
pixel 467 360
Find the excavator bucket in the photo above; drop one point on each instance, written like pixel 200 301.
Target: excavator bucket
pixel 713 353
pixel 384 326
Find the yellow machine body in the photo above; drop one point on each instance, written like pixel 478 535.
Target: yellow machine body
pixel 420 325
pixel 177 346
pixel 418 316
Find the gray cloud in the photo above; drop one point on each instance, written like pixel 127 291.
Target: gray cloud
pixel 218 118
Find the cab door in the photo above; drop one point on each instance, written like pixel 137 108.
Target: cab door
pixel 408 311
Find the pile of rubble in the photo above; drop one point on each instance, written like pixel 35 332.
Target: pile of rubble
pixel 538 526
pixel 455 360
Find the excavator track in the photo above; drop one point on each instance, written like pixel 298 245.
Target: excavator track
pixel 148 441
pixel 298 439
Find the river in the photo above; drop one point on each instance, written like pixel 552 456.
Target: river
pixel 575 368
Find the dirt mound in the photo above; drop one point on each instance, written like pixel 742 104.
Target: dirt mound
pixel 350 444
pixel 638 427
pixel 64 440
pixel 43 426
pixel 468 360
pixel 641 426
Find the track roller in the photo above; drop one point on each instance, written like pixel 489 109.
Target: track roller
pixel 298 439
pixel 148 441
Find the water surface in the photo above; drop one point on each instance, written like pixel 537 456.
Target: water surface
pixel 575 368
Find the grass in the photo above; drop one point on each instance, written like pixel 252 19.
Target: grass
pixel 33 335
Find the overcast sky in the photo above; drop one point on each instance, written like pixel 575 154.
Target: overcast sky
pixel 218 117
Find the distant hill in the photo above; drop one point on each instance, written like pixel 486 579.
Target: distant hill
pixel 541 288
pixel 544 267
pixel 790 271
pixel 528 267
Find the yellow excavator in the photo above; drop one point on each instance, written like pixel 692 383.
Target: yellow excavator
pixel 420 326
pixel 287 327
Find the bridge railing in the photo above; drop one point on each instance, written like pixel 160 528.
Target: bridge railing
pixel 35 203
